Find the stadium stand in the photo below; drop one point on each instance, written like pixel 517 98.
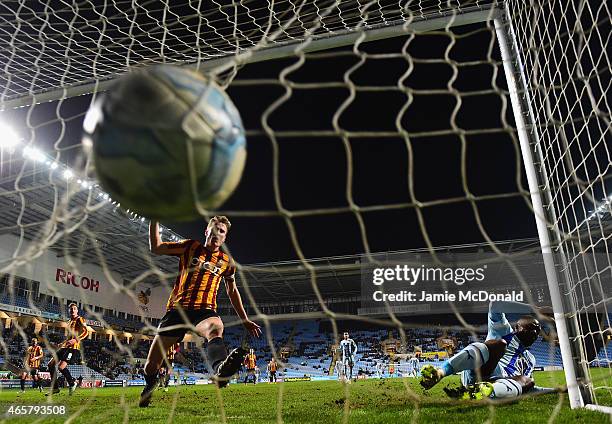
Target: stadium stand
pixel 307 349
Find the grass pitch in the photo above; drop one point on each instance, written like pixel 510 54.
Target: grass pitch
pixel 368 401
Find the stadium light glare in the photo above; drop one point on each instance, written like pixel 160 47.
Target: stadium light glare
pixel 53 165
pixel 8 137
pixel 68 174
pixel 599 211
pixel 34 154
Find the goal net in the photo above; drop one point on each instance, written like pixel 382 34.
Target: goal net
pixel 576 196
pixel 402 127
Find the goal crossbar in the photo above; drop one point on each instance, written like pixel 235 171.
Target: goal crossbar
pixel 417 24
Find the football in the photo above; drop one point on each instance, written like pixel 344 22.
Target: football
pixel 167 143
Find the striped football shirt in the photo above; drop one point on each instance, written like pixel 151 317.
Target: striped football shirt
pixel 200 274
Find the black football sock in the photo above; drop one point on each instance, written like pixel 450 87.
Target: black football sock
pixel 22 384
pixel 150 379
pixel 66 373
pixel 53 375
pixel 216 352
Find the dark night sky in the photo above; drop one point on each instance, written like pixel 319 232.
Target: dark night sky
pixel 313 170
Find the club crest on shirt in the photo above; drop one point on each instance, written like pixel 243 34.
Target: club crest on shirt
pixel 212 268
pixel 208 266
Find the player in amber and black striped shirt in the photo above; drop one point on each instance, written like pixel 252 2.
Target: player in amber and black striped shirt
pixel 69 350
pixel 272 366
pixel 34 354
pixel 193 302
pixel 250 363
pixel 166 369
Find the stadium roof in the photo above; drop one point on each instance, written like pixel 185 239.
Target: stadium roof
pixel 44 202
pixel 341 277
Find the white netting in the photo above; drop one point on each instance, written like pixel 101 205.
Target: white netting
pixel 567 70
pixel 76 45
pixel 418 129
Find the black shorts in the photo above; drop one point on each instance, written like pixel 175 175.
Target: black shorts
pixel 173 324
pixel 348 361
pixel 69 355
pixel 33 372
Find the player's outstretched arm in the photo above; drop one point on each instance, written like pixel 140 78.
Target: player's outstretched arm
pixel 508 307
pixel 498 310
pixel 236 300
pixel 498 323
pixel 160 248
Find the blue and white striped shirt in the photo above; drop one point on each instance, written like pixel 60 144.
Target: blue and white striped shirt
pixel 348 349
pixel 517 360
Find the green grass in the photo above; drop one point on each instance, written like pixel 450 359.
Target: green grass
pixel 369 401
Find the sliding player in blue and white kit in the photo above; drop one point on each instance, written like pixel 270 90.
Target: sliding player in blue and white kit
pixel 502 366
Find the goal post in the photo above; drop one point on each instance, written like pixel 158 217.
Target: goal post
pixel 535 94
pixel 528 137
